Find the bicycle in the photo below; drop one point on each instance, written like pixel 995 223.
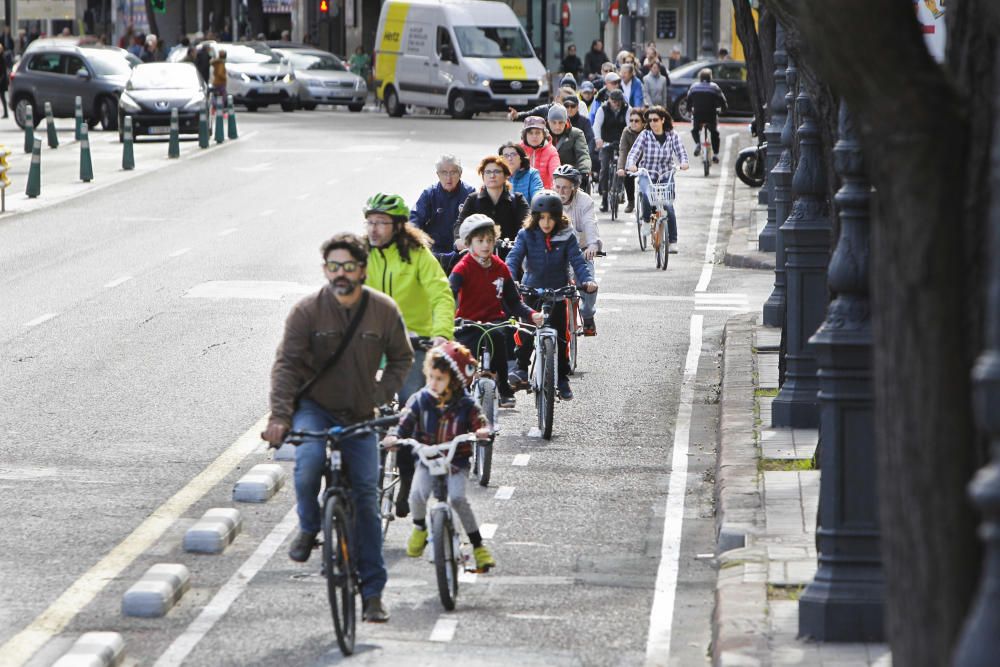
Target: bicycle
pixel 661 197
pixel 444 538
pixel 576 325
pixel 616 191
pixel 542 372
pixel 339 566
pixel 706 149
pixel 484 391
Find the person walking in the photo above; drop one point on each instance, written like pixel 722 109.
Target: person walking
pixel 594 59
pixel 631 85
pixel 676 59
pixel 656 86
pixel 571 64
pixel 5 65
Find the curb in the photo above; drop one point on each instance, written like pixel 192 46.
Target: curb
pixel 260 484
pixel 215 531
pixel 94 649
pixel 157 591
pixel 747 259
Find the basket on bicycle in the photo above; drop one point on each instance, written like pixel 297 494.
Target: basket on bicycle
pixel 662 194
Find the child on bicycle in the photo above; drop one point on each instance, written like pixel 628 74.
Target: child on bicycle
pixel 438 413
pixel 485 292
pixel 542 254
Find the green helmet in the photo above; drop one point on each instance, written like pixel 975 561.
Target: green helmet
pixel 391 205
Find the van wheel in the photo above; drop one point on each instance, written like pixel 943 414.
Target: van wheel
pixel 356 108
pixel 392 105
pixel 459 106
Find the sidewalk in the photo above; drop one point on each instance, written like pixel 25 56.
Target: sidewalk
pixel 767 492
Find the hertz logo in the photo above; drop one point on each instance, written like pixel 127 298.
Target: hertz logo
pixel 393 36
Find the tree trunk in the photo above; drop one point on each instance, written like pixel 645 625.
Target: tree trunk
pixel 916 137
pixel 747 33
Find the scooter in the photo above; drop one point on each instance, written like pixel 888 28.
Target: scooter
pixel 750 162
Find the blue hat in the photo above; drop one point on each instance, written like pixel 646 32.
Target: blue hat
pixel 586 85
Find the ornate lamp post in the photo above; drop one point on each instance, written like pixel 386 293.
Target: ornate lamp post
pixel 766 240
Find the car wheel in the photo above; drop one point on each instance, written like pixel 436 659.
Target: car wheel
pixel 252 107
pixel 107 114
pixel 21 107
pixel 356 107
pixel 392 105
pixel 309 106
pixel 459 106
pixel 681 109
pixel 289 106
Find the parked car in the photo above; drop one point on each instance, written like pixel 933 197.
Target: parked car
pixel 60 73
pixel 154 90
pixel 77 40
pixel 731 75
pixel 323 78
pixel 257 76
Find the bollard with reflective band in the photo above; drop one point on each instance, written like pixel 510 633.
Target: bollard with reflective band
pixel 29 129
pixel 231 111
pixel 4 180
pixel 203 129
pixel 35 172
pixel 174 150
pixel 78 118
pixel 128 151
pixel 220 128
pixel 50 126
pixel 86 166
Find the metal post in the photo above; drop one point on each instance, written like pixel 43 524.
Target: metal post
pixel 781 174
pixel 806 234
pixel 708 29
pixel 766 240
pixel 845 601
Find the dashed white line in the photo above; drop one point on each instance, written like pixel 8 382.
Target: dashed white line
pixel 303 196
pixel 504 493
pixel 118 281
pixel 41 318
pixel 444 630
pixel 488 530
pixel 227 232
pixel 178 253
pixel 466 577
pixel 617 248
pixel 521 460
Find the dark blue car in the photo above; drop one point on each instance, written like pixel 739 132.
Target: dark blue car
pixel 731 75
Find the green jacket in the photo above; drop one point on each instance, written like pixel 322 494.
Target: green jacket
pixel 572 147
pixel 419 287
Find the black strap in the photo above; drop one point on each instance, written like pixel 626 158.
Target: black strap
pixel 344 342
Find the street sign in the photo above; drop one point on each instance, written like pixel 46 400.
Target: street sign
pixel 613 13
pixel 566 14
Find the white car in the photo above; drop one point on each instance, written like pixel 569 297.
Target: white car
pixel 323 78
pixel 257 76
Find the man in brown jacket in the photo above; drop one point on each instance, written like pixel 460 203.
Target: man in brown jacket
pixel 345 394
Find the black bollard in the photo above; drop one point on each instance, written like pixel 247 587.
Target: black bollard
pixel 767 239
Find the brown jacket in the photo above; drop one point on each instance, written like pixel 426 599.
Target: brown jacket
pixel 349 390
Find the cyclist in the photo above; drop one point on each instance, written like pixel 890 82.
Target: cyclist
pixel 524 179
pixel 438 205
pixel 655 149
pixel 569 141
pixel 587 100
pixel 547 247
pixel 636 124
pixel 313 333
pixel 495 199
pixel 537 143
pixel 438 413
pixel 402 266
pixel 579 208
pixel 485 292
pixel 705 98
pixel 609 123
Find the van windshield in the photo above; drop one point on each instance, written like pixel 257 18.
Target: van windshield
pixel 497 42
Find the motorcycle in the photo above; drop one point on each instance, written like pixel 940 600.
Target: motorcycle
pixel 750 163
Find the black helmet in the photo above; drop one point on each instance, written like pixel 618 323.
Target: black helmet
pixel 569 172
pixel 547 201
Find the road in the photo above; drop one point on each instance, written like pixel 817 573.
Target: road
pixel 140 322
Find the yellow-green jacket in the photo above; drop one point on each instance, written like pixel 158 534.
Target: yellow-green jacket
pixel 419 287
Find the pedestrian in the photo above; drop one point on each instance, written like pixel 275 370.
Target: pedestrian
pixel 632 86
pixel 138 42
pixel 203 63
pixel 151 51
pixel 570 142
pixel 354 328
pixel 7 40
pixel 191 56
pixel 537 144
pixel 5 62
pixel 652 56
pixel 508 209
pixel 524 179
pixel 724 54
pixel 594 59
pixel 361 63
pixel 219 80
pixel 571 64
pixel 438 205
pixel 676 59
pixel 656 87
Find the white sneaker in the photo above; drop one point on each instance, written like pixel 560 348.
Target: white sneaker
pixel 672 248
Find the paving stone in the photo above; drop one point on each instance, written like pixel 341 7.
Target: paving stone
pixel 215 531
pixel 157 591
pixel 260 484
pixel 94 649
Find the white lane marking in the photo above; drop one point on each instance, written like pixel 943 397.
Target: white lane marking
pixel 444 630
pixel 227 232
pixel 521 460
pixel 610 258
pixel 617 247
pixel 713 228
pixel 303 196
pixel 178 253
pixel 535 617
pixel 488 530
pixel 217 608
pixel 612 296
pixel 246 289
pixel 333 181
pixel 118 281
pixel 731 309
pixel 662 613
pixel 266 213
pixel 720 296
pixel 38 320
pixel 466 577
pixel 504 493
pixel 53 620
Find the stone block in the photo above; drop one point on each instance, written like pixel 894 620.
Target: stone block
pixel 215 531
pixel 157 591
pixel 94 649
pixel 260 484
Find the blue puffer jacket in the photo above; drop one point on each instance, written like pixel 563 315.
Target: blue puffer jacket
pixel 527 182
pixel 537 260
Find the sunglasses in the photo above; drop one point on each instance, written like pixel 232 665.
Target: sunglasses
pixel 655 119
pixel 348 267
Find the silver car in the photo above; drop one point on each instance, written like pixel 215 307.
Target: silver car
pixel 257 76
pixel 323 78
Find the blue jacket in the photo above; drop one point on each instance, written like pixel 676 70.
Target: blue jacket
pixel 527 182
pixel 436 212
pixel 547 264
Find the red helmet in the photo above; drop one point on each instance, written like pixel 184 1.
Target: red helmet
pixel 459 358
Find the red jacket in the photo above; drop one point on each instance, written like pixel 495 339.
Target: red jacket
pixel 545 159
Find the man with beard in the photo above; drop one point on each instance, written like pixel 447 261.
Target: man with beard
pixel 324 376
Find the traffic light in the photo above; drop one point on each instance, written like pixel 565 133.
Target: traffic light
pixel 324 7
pixel 159 6
pixel 4 181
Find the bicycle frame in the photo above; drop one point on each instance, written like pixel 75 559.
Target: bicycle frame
pixel 549 298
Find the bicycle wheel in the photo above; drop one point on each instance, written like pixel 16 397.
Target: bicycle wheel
pixel 547 396
pixel 341 586
pixel 574 335
pixel 483 462
pixel 387 485
pixel 445 558
pixel 659 246
pixel 613 197
pixel 664 245
pixel 706 153
pixel 639 224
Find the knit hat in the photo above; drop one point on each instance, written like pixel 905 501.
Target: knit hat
pixel 459 358
pixel 557 112
pixel 568 80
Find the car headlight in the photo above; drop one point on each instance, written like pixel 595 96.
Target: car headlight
pixel 128 104
pixel 486 82
pixel 542 84
pixel 360 84
pixel 289 78
pixel 245 77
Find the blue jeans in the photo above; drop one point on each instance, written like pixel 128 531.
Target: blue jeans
pixel 361 463
pixel 647 210
pixel 415 380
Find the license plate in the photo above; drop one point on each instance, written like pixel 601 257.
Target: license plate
pixel 517 99
pixel 267 90
pixel 159 129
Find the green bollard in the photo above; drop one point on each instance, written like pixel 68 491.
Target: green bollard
pixel 202 129
pixel 128 152
pixel 233 134
pixel 220 128
pixel 29 129
pixel 86 166
pixel 174 149
pixel 78 116
pixel 50 125
pixel 35 172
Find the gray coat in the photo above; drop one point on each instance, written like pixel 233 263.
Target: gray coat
pixel 655 90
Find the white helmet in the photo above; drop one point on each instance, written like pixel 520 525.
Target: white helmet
pixel 474 223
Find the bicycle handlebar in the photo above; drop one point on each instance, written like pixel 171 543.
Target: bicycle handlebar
pixel 445 450
pixel 337 433
pixel 548 294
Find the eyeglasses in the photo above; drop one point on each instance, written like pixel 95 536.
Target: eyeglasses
pixel 348 267
pixel 451 174
pixel 635 120
pixel 493 172
pixel 510 156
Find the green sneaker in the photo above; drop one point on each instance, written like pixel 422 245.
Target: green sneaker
pixel 484 559
pixel 415 545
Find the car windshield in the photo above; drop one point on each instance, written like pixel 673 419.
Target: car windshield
pixel 495 42
pixel 314 61
pixel 164 76
pixel 108 63
pixel 248 53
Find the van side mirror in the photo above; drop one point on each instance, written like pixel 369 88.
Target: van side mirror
pixel 448 53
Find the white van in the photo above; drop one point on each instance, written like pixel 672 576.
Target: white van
pixel 465 56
